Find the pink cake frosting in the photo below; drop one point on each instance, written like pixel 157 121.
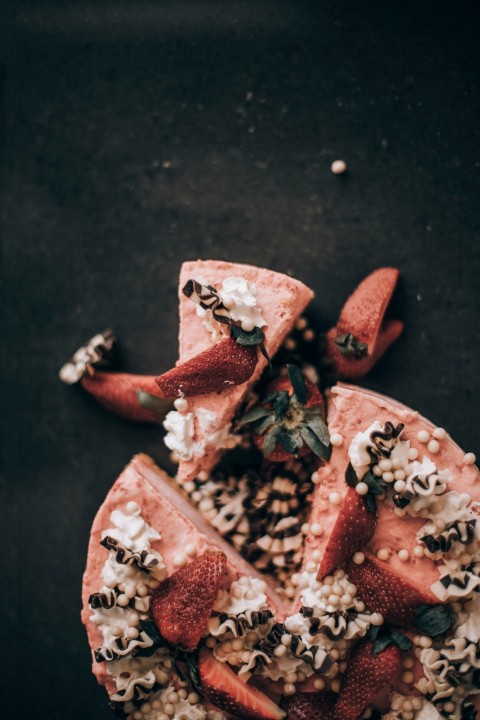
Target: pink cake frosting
pixel 281 300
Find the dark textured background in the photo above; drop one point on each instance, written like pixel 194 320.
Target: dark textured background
pixel 140 134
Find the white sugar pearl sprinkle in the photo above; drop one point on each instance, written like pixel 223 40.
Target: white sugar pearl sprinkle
pixel 316 529
pixel 400 486
pixel 423 436
pixel 181 404
pixel 376 619
pixel 403 555
pixel 315 478
pixel 433 446
pixel 338 167
pixel 335 498
pixel 408 677
pixel 439 433
pixel 399 474
pixel 179 560
pixel 190 550
pixel 388 477
pixel 361 488
pixel 336 440
pixel 418 551
pixel 383 554
pixel 385 464
pixel 319 684
pixel 469 458
pixel 248 325
pixel 358 558
pixel 289 689
pixel 412 453
pixel 132 507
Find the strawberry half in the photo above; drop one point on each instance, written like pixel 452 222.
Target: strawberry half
pixel 361 336
pixel 290 420
pixel 227 692
pixel 309 705
pixel 182 605
pixel 218 368
pixel 134 397
pixel 387 592
pixel 366 674
pixel 353 529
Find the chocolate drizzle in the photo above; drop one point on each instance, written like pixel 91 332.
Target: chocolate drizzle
pixel 143 645
pixel 208 298
pixel 261 514
pixel 242 623
pixel 143 560
pixel 316 657
pixel 333 625
pixel 462 531
pixel 95 352
pixel 383 441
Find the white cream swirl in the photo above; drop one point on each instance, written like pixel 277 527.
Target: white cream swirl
pixel 358 449
pixel 239 298
pixel 180 431
pixel 183 427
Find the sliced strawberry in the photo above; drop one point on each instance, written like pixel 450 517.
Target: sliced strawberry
pixel 182 605
pixel 290 421
pixel 135 397
pixel 361 336
pixel 218 368
pixel 309 705
pixel 227 692
pixel 385 591
pixel 353 529
pixel 366 674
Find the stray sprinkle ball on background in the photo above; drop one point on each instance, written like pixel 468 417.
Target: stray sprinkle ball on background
pixel 338 167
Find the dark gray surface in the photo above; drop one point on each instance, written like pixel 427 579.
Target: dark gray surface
pixel 143 134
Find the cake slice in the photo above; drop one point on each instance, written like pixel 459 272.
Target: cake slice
pixel 271 301
pixel 352 410
pixel 155 531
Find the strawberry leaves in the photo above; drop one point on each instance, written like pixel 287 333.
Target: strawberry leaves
pixel 348 344
pixel 376 486
pixel 433 620
pixel 290 418
pixel 298 383
pixel 382 636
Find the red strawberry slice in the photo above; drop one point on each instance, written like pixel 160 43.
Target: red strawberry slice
pixel 353 529
pixel 182 605
pixel 366 674
pixel 309 705
pixel 385 591
pixel 118 392
pixel 218 368
pixel 362 319
pixel 227 692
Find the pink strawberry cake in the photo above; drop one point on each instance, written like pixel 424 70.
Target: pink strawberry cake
pixel 317 554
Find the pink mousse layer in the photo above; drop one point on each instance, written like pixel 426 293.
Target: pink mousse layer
pixel 352 410
pixel 281 300
pixel 174 518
